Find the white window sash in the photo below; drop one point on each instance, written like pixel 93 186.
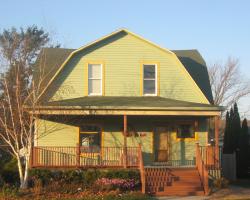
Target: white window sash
pixel 90 78
pixel 151 79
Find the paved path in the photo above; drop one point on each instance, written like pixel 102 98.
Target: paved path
pixel 230 193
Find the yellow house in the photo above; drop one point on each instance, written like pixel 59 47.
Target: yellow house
pixel 123 101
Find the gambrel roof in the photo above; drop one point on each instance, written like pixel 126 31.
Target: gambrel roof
pixel 53 59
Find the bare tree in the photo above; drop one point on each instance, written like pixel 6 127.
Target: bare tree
pixel 18 90
pixel 227 82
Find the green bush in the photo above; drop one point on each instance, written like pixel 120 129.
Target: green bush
pixel 124 174
pixel 83 177
pixel 220 183
pixel 9 172
pixel 9 191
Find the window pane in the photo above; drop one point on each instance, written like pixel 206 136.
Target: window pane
pixel 185 131
pixel 90 142
pixel 149 86
pixel 95 71
pixel 149 71
pixel 94 86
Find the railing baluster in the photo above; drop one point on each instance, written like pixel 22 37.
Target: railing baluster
pixel 45 156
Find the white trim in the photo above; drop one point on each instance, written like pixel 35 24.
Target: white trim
pixel 156 80
pixel 101 77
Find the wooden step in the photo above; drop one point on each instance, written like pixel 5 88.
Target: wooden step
pixel 184 187
pixel 175 181
pixel 180 193
pixel 182 183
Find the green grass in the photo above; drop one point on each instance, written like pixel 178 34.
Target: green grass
pixel 91 196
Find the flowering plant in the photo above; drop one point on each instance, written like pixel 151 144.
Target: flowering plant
pixel 116 183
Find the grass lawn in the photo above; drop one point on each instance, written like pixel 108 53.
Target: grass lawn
pixel 245 183
pixel 28 195
pixel 236 190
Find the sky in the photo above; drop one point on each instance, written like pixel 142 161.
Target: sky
pixel 217 28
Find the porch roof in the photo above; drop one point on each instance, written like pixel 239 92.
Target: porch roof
pixel 128 103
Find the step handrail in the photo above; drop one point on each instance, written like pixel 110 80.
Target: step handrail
pixel 142 171
pixel 203 171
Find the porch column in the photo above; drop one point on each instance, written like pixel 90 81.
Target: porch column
pixel 216 137
pixel 125 140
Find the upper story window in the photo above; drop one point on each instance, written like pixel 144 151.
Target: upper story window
pixel 150 79
pixel 94 79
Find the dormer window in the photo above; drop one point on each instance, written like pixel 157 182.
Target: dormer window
pixel 150 79
pixel 95 79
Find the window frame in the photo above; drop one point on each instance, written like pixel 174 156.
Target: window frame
pixel 90 132
pixel 194 125
pixel 101 79
pixel 155 79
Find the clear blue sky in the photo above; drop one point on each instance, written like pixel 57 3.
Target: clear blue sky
pixel 217 28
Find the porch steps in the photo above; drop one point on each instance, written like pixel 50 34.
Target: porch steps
pixel 165 181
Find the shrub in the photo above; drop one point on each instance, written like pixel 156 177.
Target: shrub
pixel 220 183
pixel 80 176
pixel 115 183
pixel 124 174
pixel 9 191
pixel 9 172
pixel 70 181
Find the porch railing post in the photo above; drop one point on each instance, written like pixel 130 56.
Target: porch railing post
pixel 31 156
pixel 125 140
pixel 196 154
pixel 216 129
pixel 78 155
pixel 142 171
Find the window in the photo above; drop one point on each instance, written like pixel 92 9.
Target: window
pixel 149 79
pixel 185 131
pixel 95 79
pixel 90 139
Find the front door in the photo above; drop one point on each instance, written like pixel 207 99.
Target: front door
pixel 161 145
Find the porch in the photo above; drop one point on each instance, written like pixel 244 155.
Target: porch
pixel 117 141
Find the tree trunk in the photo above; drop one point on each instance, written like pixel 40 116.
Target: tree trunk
pixel 23 172
pixel 26 173
pixel 20 171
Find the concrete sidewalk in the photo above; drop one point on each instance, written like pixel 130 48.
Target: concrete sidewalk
pixel 230 193
pixel 184 198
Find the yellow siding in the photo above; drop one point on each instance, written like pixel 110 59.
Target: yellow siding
pixel 186 148
pixel 123 56
pixel 55 134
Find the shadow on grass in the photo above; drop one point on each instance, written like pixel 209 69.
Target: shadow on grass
pixel 245 183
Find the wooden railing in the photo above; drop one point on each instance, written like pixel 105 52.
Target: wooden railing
pixel 211 157
pixel 44 156
pixel 208 164
pixel 203 171
pixel 142 171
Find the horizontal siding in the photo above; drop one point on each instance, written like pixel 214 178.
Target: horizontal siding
pixel 122 60
pixel 55 134
pixel 185 149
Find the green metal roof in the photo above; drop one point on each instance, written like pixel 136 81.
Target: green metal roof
pixel 52 58
pixel 138 103
pixel 47 64
pixel 196 67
